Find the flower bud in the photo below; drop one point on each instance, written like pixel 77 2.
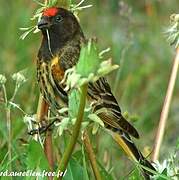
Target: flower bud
pixel 2 79
pixel 19 78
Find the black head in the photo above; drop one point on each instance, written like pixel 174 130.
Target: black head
pixel 59 22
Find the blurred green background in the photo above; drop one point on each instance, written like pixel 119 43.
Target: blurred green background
pixel 135 32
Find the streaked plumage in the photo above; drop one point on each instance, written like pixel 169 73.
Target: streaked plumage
pixel 61 52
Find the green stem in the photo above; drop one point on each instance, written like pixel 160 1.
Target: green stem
pixel 91 156
pixel 76 130
pixel 5 94
pixel 14 94
pixel 8 119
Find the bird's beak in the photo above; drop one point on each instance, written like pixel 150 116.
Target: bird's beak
pixel 44 23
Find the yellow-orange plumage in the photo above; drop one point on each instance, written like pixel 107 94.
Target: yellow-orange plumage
pixel 57 71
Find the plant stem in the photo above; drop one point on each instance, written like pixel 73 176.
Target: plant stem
pixel 46 2
pixel 8 119
pixel 165 109
pixel 48 149
pixel 91 156
pixel 5 94
pixel 76 130
pixel 42 114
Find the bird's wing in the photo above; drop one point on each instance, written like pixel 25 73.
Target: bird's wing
pixel 124 141
pixel 107 107
pixel 99 91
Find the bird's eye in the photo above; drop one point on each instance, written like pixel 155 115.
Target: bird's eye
pixel 58 18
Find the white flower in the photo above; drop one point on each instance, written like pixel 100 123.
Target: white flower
pixel 19 78
pixel 169 166
pixel 2 79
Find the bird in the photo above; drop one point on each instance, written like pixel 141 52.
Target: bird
pixel 62 40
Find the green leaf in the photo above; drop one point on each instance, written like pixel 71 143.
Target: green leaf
pixel 23 36
pixel 135 175
pixel 35 157
pixel 96 119
pixel 95 128
pixel 105 175
pixel 25 28
pixel 39 3
pixel 78 156
pixel 89 68
pixel 177 144
pixel 74 101
pixel 74 171
pixel 36 160
pixel 164 172
pixel 84 164
pixel 63 125
pixel 89 61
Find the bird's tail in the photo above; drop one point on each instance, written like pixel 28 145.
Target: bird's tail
pixel 131 150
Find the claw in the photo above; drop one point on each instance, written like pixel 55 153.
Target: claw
pixel 43 128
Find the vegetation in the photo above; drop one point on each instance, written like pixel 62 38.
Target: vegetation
pixel 135 34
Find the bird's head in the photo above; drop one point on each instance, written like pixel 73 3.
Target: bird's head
pixel 58 22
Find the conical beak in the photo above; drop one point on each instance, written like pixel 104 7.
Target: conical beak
pixel 43 23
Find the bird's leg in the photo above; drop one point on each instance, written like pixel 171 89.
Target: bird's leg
pixel 42 127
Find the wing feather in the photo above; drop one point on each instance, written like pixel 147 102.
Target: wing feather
pixel 107 107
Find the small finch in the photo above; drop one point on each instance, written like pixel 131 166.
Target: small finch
pixel 59 51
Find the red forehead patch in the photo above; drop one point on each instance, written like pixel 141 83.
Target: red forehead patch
pixel 50 11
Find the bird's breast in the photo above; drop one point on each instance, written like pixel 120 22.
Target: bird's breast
pixel 57 70
pixel 49 74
